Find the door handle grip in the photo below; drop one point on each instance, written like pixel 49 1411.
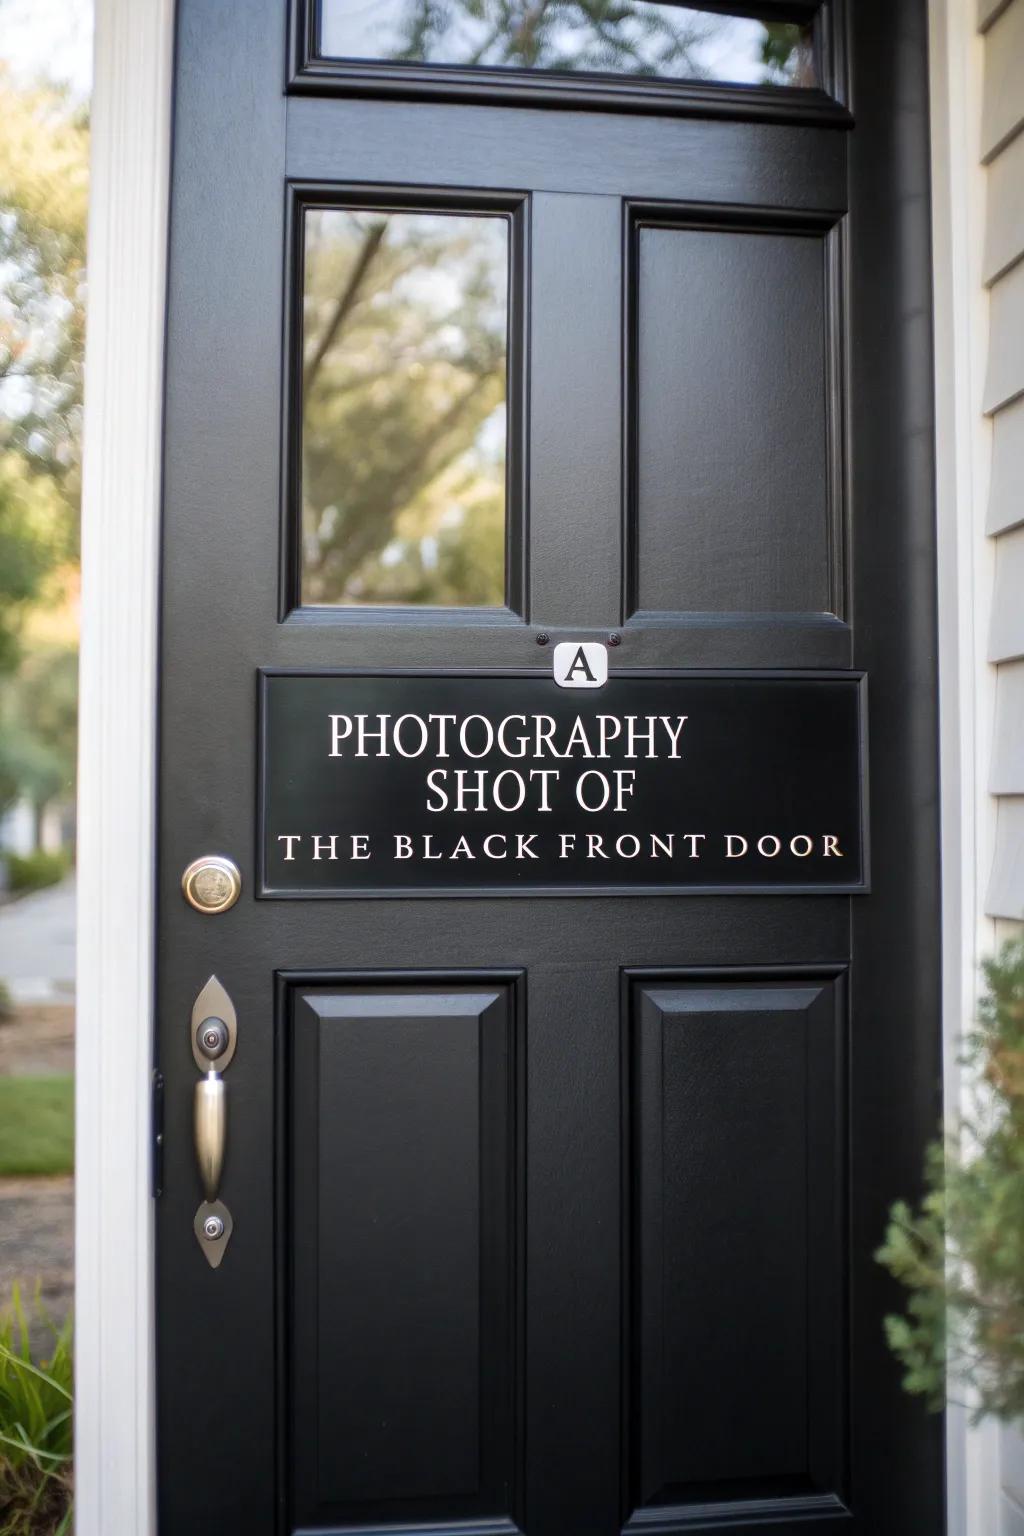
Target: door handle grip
pixel 210 1125
pixel 214 1032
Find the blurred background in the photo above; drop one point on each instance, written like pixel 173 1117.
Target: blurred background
pixel 45 62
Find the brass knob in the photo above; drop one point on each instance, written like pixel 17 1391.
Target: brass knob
pixel 212 883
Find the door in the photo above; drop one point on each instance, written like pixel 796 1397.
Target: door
pixel 574 1032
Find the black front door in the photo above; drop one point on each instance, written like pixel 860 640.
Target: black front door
pixel 581 1029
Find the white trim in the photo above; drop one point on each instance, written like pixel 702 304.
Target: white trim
pixel 131 118
pixel 965 579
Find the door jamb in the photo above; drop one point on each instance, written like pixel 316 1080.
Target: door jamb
pixel 965 572
pixel 128 216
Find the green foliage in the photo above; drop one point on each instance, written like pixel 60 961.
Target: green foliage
pixel 30 542
pixel 788 53
pixel 39 727
pixel 960 1254
pixel 44 171
pixel 37 1126
pixel 35 1428
pixel 35 871
pixel 6 1003
pixel 43 202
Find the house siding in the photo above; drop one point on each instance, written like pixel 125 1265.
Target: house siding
pixel 1002 28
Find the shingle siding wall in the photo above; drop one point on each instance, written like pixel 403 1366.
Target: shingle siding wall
pixel 1002 26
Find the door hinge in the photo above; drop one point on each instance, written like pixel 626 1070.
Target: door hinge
pixel 157 1122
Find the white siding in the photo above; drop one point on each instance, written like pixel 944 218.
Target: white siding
pixel 1005 350
pixel 1006 887
pixel 1006 640
pixel 1006 487
pixel 1007 770
pixel 1003 109
pixel 1003 150
pixel 1004 233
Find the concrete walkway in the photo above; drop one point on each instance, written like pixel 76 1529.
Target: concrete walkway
pixel 37 945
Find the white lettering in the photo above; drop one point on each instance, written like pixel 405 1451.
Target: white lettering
pixel 593 773
pixel 435 781
pixel 622 788
pixel 544 774
pixel 289 855
pixel 397 733
pixel 609 728
pixel 363 736
pixel 443 722
pixel 337 734
pixel 635 734
pixel 488 735
pixel 521 741
pixel 520 789
pixel 674 735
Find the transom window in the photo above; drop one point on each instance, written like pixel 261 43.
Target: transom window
pixel 617 37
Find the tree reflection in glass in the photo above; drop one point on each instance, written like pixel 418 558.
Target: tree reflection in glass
pixel 620 37
pixel 405 346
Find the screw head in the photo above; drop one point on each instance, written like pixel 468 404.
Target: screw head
pixel 213 1227
pixel 212 1038
pixel 615 639
pixel 542 638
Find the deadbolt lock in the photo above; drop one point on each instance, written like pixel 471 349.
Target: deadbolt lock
pixel 211 883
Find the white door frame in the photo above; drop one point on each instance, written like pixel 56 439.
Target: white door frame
pixel 130 160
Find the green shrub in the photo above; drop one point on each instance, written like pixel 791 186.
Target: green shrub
pixel 37 1126
pixel 960 1255
pixel 6 1003
pixel 34 871
pixel 35 1428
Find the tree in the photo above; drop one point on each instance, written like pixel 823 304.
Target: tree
pixel 43 194
pixel 43 198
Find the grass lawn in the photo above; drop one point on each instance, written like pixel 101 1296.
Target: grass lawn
pixel 37 1125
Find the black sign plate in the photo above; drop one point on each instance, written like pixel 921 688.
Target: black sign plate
pixel 470 783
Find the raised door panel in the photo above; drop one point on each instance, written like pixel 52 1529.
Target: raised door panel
pixel 734 1249
pixel 401 1226
pixel 733 496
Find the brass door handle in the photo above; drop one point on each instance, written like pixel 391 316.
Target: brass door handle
pixel 210 1124
pixel 214 1034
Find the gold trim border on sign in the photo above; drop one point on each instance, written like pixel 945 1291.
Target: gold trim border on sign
pixel 211 883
